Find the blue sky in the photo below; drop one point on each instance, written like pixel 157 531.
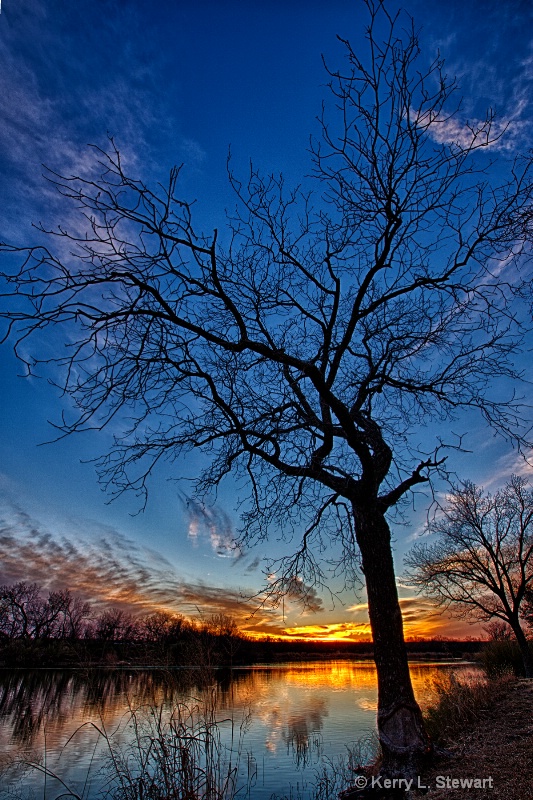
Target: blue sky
pixel 183 82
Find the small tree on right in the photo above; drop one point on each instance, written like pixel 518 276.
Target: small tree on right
pixel 481 565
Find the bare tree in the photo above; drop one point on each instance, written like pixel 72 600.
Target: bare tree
pixel 226 630
pixel 161 626
pixel 20 609
pixel 481 565
pixel 222 625
pixel 302 347
pixel 75 612
pixel 116 625
pixel 527 611
pixel 26 614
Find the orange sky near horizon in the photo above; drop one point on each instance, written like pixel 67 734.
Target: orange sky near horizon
pixel 360 632
pixel 111 571
pixel 422 621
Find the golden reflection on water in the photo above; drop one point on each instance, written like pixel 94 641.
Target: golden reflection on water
pixel 288 704
pixel 335 674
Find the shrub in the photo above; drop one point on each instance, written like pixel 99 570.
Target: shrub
pixel 502 656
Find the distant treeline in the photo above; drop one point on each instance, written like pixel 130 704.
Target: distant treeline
pixel 59 628
pixel 25 613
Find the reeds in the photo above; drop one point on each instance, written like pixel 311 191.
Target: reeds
pixel 502 656
pixel 172 751
pixel 333 775
pixel 182 753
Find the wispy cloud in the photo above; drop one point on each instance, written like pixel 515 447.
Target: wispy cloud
pixel 304 596
pixel 105 567
pixel 65 85
pixel 109 569
pixel 211 523
pixel 511 463
pixel 503 134
pixel 493 68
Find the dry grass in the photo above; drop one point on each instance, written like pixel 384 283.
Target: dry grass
pixel 459 703
pixel 185 753
pixel 496 743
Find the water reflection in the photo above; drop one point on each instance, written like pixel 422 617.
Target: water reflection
pixel 31 700
pixel 28 699
pixel 295 712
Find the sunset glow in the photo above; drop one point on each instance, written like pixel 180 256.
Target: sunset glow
pixel 112 571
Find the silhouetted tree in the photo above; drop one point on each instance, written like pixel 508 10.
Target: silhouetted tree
pixel 528 606
pixel 498 631
pixel 75 616
pixel 481 565
pixel 302 347
pixel 161 626
pixel 20 609
pixel 26 614
pixel 226 629
pixel 222 625
pixel 116 625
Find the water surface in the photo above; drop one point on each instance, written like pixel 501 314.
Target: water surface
pixel 283 722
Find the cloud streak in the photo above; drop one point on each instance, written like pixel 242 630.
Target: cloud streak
pixel 507 134
pixel 109 569
pixel 494 68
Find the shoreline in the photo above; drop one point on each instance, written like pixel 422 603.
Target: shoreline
pixel 306 659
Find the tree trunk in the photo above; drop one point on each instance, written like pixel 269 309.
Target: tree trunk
pixel 525 650
pixel 403 739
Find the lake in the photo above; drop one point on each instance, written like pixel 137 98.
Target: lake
pixel 270 728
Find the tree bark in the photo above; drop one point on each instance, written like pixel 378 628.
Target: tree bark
pixel 404 742
pixel 525 650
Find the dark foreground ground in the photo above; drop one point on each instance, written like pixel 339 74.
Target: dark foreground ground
pixel 498 746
